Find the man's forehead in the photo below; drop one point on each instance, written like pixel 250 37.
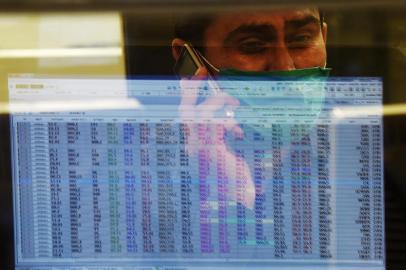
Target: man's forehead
pixel 230 21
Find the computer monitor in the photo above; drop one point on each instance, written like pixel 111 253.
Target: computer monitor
pixel 116 174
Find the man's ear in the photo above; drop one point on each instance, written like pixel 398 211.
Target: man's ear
pixel 324 32
pixel 177 45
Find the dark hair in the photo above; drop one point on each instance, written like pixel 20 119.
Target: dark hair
pixel 191 28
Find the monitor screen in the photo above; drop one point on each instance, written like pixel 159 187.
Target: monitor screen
pixel 126 174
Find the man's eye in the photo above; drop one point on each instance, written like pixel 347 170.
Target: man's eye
pixel 300 41
pixel 252 46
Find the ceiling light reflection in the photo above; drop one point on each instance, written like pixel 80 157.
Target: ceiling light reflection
pixel 61 52
pixel 69 105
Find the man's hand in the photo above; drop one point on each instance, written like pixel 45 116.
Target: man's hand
pixel 207 124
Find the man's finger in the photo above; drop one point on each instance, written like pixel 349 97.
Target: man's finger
pixel 217 102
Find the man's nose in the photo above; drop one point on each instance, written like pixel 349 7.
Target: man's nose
pixel 279 58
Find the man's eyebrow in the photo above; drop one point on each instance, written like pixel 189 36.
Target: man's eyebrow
pixel 264 30
pixel 297 23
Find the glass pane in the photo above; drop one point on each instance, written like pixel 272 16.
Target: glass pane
pixel 244 137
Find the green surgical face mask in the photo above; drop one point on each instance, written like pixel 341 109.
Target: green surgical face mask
pixel 306 73
pixel 307 84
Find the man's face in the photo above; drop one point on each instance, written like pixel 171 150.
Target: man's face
pixel 269 41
